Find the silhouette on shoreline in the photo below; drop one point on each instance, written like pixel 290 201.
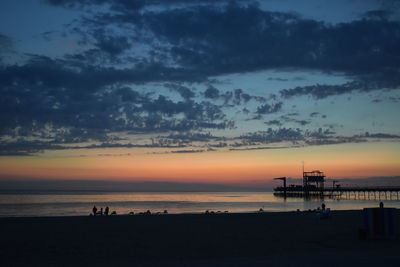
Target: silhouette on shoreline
pixel 107 210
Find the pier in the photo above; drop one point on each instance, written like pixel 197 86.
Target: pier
pixel 366 193
pixel 314 186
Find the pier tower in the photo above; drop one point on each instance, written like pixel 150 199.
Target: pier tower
pixel 313 181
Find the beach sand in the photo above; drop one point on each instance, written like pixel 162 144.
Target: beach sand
pixel 253 239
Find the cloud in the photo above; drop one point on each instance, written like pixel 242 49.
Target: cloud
pixel 26 148
pixel 184 91
pixel 192 136
pixel 288 118
pixel 394 99
pixel 188 151
pixel 380 135
pixel 113 155
pixel 378 14
pixel 207 43
pixel 115 4
pixel 87 96
pixel 259 148
pixel 273 122
pixel 211 92
pixel 269 108
pixel 319 91
pixel 128 6
pixel 272 136
pixel 64 102
pixel 111 44
pixel 6 44
pixel 365 83
pixel 298 137
pixel 278 79
pixel 231 98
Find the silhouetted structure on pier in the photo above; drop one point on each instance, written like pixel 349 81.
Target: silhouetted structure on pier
pixel 313 181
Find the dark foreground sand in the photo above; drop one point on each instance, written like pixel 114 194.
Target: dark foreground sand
pixel 268 239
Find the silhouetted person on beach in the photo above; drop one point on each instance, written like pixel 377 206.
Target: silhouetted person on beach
pixel 323 206
pixel 381 205
pixel 101 212
pixel 107 210
pixel 94 210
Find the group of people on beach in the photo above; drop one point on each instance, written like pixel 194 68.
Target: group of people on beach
pixel 106 211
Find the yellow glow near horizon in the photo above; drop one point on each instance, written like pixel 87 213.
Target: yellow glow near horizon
pixel 337 161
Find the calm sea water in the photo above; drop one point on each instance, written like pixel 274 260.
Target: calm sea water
pixel 81 203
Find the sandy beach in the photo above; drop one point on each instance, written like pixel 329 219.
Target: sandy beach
pixel 275 239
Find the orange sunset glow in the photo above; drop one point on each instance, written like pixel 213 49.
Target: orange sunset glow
pixel 244 167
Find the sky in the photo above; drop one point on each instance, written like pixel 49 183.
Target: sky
pixel 198 91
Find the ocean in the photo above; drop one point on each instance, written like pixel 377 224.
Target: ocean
pixel 73 203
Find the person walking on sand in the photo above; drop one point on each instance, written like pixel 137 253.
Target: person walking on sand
pixel 94 210
pixel 106 211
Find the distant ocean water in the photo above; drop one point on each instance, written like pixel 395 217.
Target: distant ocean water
pixel 70 203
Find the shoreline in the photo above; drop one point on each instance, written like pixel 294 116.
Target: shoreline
pixel 213 213
pixel 160 214
pixel 234 239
